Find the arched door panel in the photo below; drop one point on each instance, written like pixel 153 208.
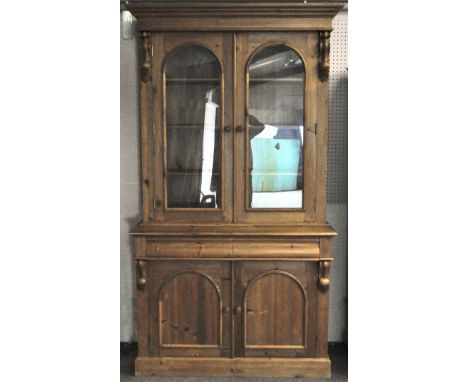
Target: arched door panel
pixel 188 315
pixel 190 311
pixel 276 305
pixel 274 311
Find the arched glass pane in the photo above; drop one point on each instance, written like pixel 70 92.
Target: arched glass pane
pixel 276 128
pixel 193 152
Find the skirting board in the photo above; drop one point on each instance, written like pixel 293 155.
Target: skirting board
pixel 245 367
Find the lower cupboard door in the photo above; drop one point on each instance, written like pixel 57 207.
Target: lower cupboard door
pixel 189 311
pixel 275 308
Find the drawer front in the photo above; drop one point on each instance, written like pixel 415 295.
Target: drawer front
pixel 232 249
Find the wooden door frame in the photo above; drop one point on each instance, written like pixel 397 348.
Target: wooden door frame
pixel 306 45
pixel 220 45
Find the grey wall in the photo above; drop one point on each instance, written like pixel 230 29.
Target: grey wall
pixel 130 197
pixel 130 209
pixel 337 193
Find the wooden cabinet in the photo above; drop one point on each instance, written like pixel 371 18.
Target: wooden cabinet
pixel 195 306
pixel 233 251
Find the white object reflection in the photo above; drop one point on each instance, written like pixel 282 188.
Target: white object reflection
pixel 268 132
pixel 282 199
pixel 208 146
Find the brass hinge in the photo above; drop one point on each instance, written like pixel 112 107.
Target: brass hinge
pixel 315 128
pixel 153 129
pixel 154 203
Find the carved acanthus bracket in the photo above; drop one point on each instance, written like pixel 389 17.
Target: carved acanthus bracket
pixel 324 274
pixel 142 278
pixel 146 56
pixel 324 55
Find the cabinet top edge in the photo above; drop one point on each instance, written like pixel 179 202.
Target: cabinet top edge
pixel 241 10
pixel 238 230
pixel 236 5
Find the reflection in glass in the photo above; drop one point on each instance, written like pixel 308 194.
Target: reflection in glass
pixel 276 128
pixel 193 156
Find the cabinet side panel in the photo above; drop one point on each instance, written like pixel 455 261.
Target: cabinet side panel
pixel 310 132
pixel 322 305
pixel 322 142
pixel 158 155
pixel 142 302
pixel 146 123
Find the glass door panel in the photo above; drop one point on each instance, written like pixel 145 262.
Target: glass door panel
pixel 193 97
pixel 275 131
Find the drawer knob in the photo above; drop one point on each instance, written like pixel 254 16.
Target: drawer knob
pixel 226 309
pixel 238 309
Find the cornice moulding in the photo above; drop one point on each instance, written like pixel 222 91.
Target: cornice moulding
pixel 234 16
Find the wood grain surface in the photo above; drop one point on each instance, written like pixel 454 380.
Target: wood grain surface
pixel 231 291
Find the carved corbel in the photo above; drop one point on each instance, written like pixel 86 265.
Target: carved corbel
pixel 324 274
pixel 324 55
pixel 142 279
pixel 146 56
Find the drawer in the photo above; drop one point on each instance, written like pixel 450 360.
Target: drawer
pixel 232 249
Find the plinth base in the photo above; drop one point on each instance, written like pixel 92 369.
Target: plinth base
pixel 245 367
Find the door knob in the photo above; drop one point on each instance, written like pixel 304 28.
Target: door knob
pixel 239 129
pixel 238 310
pixel 227 129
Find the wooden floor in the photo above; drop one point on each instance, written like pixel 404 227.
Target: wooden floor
pixel 338 355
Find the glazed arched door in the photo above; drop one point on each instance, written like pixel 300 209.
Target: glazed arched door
pixel 192 116
pixel 276 116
